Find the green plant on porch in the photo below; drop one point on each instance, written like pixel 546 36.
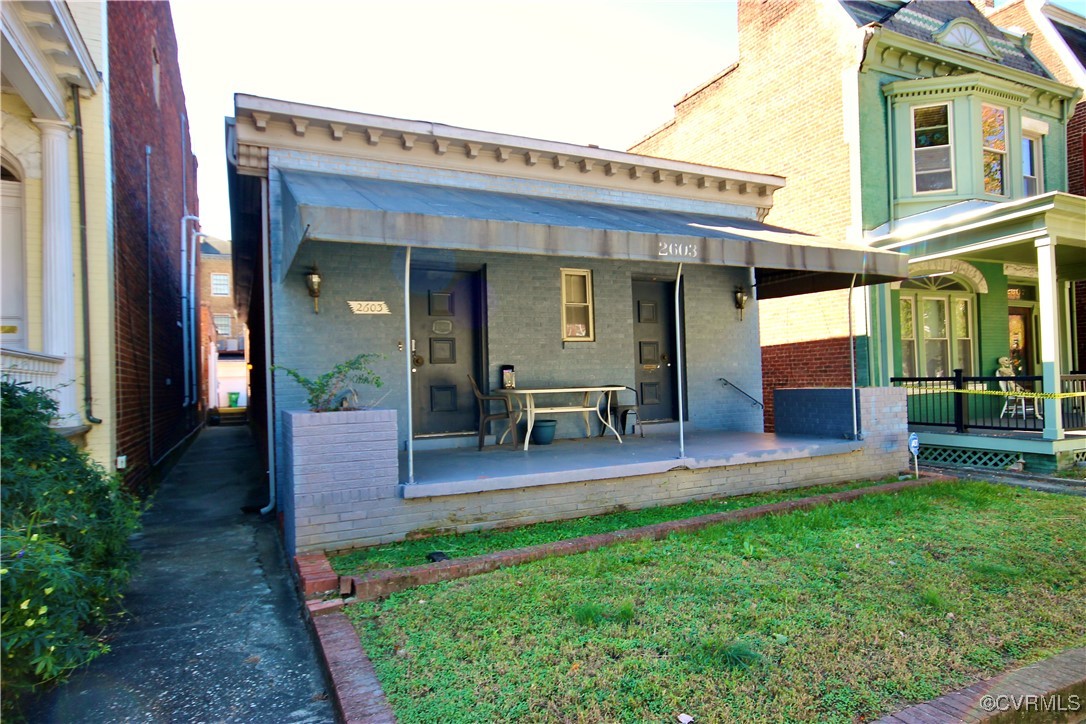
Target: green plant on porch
pixel 334 390
pixel 65 557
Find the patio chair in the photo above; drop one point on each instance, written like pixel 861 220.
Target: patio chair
pixel 485 415
pixel 1015 404
pixel 622 413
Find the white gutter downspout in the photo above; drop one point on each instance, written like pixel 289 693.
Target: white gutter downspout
pixel 194 329
pixel 409 353
pixel 679 359
pixel 185 331
pixel 856 434
pixel 269 376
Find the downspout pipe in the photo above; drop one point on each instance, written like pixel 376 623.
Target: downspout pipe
pixel 150 317
pixel 410 379
pixel 185 292
pixel 194 330
pixel 679 358
pixel 88 397
pixel 856 433
pixel 269 356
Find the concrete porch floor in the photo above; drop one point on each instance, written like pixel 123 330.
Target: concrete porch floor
pixel 458 470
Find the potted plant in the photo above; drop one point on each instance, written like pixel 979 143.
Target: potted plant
pixel 334 389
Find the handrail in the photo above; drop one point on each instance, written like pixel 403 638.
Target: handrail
pixel 728 383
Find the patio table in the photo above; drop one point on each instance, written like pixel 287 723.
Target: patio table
pixel 524 403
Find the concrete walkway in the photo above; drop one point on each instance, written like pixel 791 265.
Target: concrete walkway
pixel 214 631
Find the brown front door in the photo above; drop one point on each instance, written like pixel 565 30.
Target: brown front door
pixel 1020 324
pixel 445 339
pixel 654 349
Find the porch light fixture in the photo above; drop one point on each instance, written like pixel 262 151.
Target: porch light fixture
pixel 313 284
pixel 741 298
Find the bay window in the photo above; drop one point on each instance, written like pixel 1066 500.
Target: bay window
pixel 1031 166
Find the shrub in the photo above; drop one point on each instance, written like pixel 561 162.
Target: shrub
pixel 64 551
pixel 334 390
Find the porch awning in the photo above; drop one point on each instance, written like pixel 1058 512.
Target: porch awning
pixel 360 210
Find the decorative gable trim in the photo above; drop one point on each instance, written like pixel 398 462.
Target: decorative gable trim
pixel 964 35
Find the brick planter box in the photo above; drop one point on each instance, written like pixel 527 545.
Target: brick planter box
pixel 336 464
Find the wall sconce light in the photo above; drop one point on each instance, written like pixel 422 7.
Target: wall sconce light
pixel 741 298
pixel 313 284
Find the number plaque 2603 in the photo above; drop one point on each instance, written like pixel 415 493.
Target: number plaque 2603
pixel 687 250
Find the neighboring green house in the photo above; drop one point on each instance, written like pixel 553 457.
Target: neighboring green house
pixel 918 127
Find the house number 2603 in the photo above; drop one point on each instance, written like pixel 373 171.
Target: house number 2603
pixel 674 248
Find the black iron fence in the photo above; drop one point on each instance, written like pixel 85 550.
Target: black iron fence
pixel 989 403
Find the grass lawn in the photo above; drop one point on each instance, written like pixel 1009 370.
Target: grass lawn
pixel 413 552
pixel 841 613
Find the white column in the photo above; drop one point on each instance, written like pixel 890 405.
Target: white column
pixel 58 278
pixel 1048 298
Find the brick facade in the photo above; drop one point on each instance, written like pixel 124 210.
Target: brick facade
pixel 335 500
pixel 147 108
pixel 801 337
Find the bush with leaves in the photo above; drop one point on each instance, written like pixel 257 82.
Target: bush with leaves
pixel 334 390
pixel 65 556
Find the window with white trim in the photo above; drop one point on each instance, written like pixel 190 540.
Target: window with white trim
pixel 577 316
pixel 936 326
pixel 222 324
pixel 993 127
pixel 220 285
pixel 933 168
pixel 1032 180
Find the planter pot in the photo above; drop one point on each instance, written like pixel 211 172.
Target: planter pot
pixel 543 432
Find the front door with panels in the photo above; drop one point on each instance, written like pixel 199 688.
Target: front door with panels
pixel 445 340
pixel 654 349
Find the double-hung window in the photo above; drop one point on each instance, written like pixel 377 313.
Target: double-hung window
pixel 994 134
pixel 1032 183
pixel 577 318
pixel 222 324
pixel 933 168
pixel 220 285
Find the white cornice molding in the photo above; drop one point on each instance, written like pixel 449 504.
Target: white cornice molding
pixel 275 123
pixel 43 53
pixel 914 59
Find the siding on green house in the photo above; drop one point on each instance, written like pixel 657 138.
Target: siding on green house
pixel 993 340
pixel 875 163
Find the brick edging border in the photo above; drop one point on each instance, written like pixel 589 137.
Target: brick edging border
pixel 1054 688
pixel 356 692
pixel 372 586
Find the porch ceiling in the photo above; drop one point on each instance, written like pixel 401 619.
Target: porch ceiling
pixel 359 210
pixel 1002 233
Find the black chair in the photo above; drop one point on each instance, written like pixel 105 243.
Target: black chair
pixel 485 415
pixel 621 413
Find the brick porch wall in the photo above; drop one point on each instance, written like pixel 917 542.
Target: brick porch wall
pixel 821 363
pixel 348 500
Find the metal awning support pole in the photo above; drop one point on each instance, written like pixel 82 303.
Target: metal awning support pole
pixel 679 359
pixel 852 364
pixel 407 358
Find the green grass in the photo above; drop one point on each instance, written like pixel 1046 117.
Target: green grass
pixel 841 613
pixel 413 552
pixel 1075 473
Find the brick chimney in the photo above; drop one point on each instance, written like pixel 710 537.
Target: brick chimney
pixel 986 7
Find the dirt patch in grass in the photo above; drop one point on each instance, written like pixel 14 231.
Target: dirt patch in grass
pixel 414 552
pixel 840 613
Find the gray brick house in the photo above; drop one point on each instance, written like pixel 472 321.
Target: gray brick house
pixel 452 252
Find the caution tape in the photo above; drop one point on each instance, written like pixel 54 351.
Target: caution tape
pixel 1002 393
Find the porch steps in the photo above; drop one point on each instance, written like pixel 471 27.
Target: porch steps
pixel 231 415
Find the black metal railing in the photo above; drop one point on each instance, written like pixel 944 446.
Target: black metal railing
pixel 934 401
pixel 1074 408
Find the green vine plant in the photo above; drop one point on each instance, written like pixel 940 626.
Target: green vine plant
pixel 334 390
